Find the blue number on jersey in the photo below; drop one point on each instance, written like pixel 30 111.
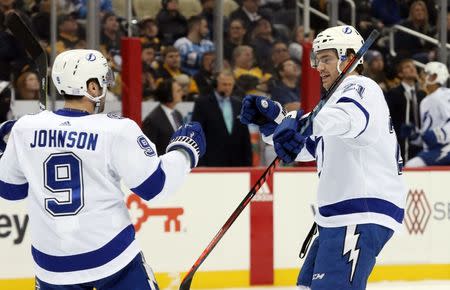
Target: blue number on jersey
pixel 63 175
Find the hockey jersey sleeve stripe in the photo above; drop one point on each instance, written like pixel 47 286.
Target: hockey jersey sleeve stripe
pixel 13 191
pixel 364 111
pixel 87 260
pixel 153 185
pixel 361 205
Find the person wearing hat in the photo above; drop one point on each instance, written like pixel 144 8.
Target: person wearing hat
pixel 374 68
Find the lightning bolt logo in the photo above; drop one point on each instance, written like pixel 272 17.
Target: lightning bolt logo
pixel 350 242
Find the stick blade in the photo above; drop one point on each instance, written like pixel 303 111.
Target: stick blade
pixel 186 284
pixel 31 44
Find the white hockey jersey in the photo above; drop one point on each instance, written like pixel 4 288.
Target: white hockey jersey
pixel 358 158
pixel 69 164
pixel 435 114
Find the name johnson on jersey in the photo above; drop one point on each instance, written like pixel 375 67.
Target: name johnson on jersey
pixel 64 139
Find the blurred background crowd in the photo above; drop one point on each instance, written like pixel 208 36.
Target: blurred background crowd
pixel 262 53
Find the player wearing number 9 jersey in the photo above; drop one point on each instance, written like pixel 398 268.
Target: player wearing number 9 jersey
pixel 69 165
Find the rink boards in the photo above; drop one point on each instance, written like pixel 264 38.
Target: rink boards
pixel 261 247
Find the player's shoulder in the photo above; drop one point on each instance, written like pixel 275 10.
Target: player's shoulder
pixel 32 118
pixel 115 122
pixel 361 84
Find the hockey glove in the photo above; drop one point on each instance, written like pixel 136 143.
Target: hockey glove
pixel 190 138
pixel 265 113
pixel 433 137
pixel 288 142
pixel 409 131
pixel 5 129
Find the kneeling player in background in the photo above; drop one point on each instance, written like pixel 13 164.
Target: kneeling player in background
pixel 361 193
pixel 69 163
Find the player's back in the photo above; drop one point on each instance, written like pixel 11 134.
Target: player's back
pixel 75 204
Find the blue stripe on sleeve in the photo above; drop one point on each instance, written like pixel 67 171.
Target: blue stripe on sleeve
pixel 87 260
pixel 361 205
pixel 153 185
pixel 366 114
pixel 13 191
pixel 311 146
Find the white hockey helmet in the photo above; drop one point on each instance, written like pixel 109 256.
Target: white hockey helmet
pixel 339 38
pixel 439 69
pixel 73 68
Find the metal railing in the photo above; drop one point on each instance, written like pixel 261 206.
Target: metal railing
pixel 333 11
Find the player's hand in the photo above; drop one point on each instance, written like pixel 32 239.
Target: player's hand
pixel 433 137
pixel 5 129
pixel 190 138
pixel 287 140
pixel 261 111
pixel 409 131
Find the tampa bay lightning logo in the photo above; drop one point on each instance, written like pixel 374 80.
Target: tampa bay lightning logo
pixel 91 57
pixel 347 30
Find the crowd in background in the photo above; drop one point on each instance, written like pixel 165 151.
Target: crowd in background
pixel 262 47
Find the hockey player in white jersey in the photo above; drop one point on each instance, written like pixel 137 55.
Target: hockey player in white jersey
pixel 435 119
pixel 361 193
pixel 69 164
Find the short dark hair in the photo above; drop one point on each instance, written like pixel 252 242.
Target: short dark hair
pixel 359 68
pixel 74 97
pixel 194 20
pixel 168 50
pixel 401 63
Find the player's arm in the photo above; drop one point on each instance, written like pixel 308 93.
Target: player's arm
pixel 13 184
pixel 348 117
pixel 148 175
pixel 439 135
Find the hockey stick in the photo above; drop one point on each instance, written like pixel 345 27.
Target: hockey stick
pixel 187 280
pixel 25 37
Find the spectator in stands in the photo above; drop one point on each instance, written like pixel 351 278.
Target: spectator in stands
pixel 387 11
pixel 194 45
pixel 171 23
pixel 40 21
pixel 403 102
pixel 236 37
pixel 263 39
pixel 286 15
pixel 298 38
pixel 244 64
pixel 82 8
pixel 12 57
pixel 409 46
pixel 365 20
pixel 148 31
pixel 279 53
pixel 162 121
pixel 68 34
pixel 374 69
pixel 171 68
pixel 110 39
pixel 204 78
pixel 249 13
pixel 286 90
pixel 5 100
pixel 431 8
pixel 27 86
pixel 228 139
pixel 208 14
pixel 149 75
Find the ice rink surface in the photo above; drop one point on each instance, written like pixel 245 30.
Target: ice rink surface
pixel 422 285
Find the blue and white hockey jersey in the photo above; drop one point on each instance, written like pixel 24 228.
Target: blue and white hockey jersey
pixel 357 157
pixel 435 115
pixel 69 166
pixel 192 53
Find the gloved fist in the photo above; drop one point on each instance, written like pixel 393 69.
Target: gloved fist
pixel 5 129
pixel 409 131
pixel 190 138
pixel 265 113
pixel 433 137
pixel 287 140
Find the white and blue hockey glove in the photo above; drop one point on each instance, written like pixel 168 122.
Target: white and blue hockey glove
pixel 190 138
pixel 287 140
pixel 433 137
pixel 265 113
pixel 5 129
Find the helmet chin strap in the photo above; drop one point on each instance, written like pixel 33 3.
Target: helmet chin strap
pixel 97 100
